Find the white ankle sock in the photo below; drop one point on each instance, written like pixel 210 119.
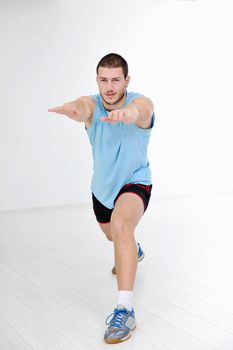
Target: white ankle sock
pixel 125 298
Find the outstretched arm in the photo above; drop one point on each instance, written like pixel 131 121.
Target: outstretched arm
pixel 139 112
pixel 80 110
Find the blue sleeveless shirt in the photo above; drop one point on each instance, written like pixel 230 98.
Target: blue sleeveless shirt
pixel 119 153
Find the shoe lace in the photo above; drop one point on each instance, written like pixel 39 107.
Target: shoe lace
pixel 117 318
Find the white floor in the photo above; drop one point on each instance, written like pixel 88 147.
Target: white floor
pixel 56 288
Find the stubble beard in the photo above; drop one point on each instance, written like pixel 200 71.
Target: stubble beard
pixel 107 104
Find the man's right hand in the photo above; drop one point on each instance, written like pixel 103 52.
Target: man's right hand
pixel 69 109
pixel 80 110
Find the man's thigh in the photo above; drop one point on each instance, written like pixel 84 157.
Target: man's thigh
pixel 128 208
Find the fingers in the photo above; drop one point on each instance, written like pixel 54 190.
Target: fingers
pixel 115 116
pixel 59 109
pixel 66 109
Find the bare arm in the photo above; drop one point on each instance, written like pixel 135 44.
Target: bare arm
pixel 139 112
pixel 80 110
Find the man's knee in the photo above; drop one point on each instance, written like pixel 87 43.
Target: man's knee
pixel 106 228
pixel 109 236
pixel 121 227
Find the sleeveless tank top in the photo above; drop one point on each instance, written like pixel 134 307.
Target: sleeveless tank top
pixel 119 153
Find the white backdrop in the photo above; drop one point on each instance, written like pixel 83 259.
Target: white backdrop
pixel 179 54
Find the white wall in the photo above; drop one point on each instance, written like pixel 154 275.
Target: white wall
pixel 179 54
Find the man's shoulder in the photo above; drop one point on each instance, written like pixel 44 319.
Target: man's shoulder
pixel 131 95
pixel 95 97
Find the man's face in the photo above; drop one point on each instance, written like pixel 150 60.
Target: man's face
pixel 112 86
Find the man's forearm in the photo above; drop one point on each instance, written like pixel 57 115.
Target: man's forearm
pixel 140 112
pixel 83 108
pixel 132 112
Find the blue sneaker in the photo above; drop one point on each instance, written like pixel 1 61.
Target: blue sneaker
pixel 141 255
pixel 121 325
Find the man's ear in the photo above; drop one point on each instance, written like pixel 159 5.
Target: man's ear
pixel 127 80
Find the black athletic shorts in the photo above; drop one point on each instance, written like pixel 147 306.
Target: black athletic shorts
pixel 103 214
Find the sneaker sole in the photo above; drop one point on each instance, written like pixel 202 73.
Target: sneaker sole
pixel 139 259
pixel 116 341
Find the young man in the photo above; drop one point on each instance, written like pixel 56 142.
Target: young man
pixel 118 124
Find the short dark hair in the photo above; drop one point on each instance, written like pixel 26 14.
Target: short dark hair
pixel 113 60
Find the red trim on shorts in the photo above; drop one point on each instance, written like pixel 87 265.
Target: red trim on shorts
pixel 127 185
pixel 145 187
pixel 107 222
pixel 136 195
